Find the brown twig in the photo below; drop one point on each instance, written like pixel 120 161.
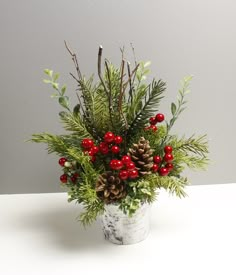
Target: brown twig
pixel 121 86
pixel 81 105
pixel 103 83
pixel 75 60
pixel 130 99
pixel 130 77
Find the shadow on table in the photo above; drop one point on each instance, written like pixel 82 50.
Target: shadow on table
pixel 59 228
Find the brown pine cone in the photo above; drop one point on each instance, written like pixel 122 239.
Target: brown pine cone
pixel 110 188
pixel 141 155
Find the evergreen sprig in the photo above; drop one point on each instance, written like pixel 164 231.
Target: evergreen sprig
pixel 148 107
pixel 120 101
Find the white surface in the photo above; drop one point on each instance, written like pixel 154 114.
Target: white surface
pixel 196 235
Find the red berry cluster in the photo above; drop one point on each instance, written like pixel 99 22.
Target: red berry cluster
pixel 129 170
pixel 70 174
pixel 163 165
pixel 89 148
pixel 109 144
pixel 154 120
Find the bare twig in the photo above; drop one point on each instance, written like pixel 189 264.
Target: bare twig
pixel 75 60
pixel 81 105
pixel 130 99
pixel 100 69
pixel 103 83
pixel 131 75
pixel 109 77
pixel 121 85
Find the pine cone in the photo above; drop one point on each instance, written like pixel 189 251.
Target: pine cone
pixel 110 188
pixel 141 155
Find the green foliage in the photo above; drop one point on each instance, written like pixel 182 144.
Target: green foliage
pixel 179 107
pixel 121 102
pixel 147 108
pixel 59 94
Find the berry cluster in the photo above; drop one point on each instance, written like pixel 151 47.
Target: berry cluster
pixel 109 144
pixel 154 120
pixel 129 170
pixel 70 174
pixel 163 165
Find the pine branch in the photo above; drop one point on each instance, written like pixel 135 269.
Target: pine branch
pixel 150 106
pixel 73 123
pixel 173 185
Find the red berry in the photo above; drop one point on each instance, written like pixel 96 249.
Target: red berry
pixel 125 159
pixel 155 167
pixel 73 178
pixel 118 139
pixel 76 175
pixel 153 120
pixel 123 175
pixel 160 117
pixel 130 165
pixel 163 171
pixel 153 127
pixel 168 149
pixel 95 149
pixel 62 161
pixel 116 164
pixel 115 149
pixel 109 137
pixel 169 166
pixel 87 143
pixel 157 159
pixel 168 157
pixel 133 174
pixel 104 149
pixel 63 178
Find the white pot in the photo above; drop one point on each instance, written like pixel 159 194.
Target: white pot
pixel 119 228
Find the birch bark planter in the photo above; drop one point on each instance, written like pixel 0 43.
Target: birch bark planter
pixel 119 228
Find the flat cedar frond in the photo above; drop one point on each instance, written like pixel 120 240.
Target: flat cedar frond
pixel 150 106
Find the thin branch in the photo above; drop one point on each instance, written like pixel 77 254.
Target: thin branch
pixel 100 69
pixel 109 77
pixel 130 84
pixel 134 55
pixel 81 105
pixel 75 60
pixel 135 60
pixel 121 85
pixel 109 93
pixel 130 77
pixel 103 83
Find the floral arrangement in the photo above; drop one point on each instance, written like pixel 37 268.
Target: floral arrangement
pixel 119 149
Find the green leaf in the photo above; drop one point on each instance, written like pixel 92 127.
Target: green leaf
pixel 55 86
pixel 64 101
pixel 173 108
pixel 63 89
pixel 54 95
pixel 56 76
pixel 48 72
pixel 47 81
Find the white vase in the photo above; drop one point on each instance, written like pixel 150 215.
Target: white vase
pixel 119 228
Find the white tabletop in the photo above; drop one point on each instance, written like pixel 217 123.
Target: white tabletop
pixel 196 235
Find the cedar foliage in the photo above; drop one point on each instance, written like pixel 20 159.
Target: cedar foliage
pixel 121 102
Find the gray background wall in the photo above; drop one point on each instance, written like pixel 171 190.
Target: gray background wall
pixel 179 37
